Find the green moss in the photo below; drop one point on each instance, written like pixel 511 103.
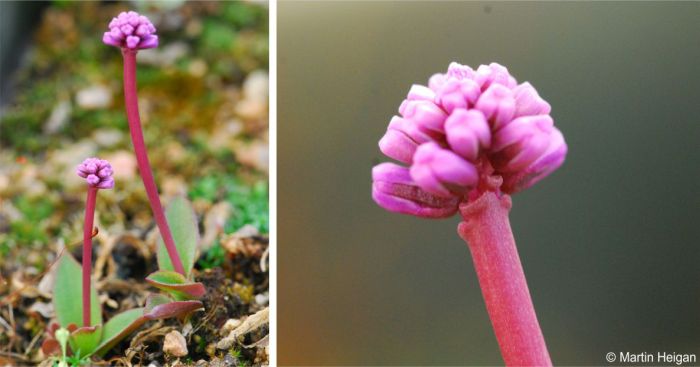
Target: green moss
pixel 249 202
pixel 217 36
pixel 212 258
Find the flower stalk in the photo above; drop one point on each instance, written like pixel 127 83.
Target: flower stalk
pixel 132 113
pixel 98 175
pixel 486 229
pixel 87 251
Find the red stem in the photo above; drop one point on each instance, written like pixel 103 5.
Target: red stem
pixel 486 229
pixel 87 251
pixel 132 113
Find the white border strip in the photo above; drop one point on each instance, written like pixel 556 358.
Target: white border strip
pixel 272 121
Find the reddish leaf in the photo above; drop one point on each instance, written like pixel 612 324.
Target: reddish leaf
pixel 176 284
pixel 159 306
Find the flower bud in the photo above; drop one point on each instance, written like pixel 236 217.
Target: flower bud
pixel 467 133
pixel 394 190
pixel 425 114
pixel 549 161
pixel 401 139
pixel 97 173
pixel 497 104
pixel 441 172
pixel 454 94
pixel 132 31
pixel 494 73
pixel 528 102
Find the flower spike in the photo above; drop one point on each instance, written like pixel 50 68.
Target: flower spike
pixel 132 31
pixel 97 173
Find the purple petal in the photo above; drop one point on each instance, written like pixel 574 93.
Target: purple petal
pixel 117 34
pixel 494 73
pixel 497 104
pixel 436 81
pixel 549 161
pixel 150 41
pixel 459 71
pixel 106 184
pixel 394 190
pixel 456 94
pixel 397 145
pixel 420 93
pixel 442 172
pixel 518 128
pixel 92 179
pixel 411 130
pixel 132 41
pixel 425 114
pixel 467 133
pixel 127 29
pixel 528 102
pixel 109 40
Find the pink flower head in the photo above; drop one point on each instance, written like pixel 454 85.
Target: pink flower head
pixel 132 31
pixel 464 126
pixel 97 173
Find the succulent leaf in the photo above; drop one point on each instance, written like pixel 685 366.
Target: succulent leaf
pixel 176 284
pixel 67 295
pixel 185 231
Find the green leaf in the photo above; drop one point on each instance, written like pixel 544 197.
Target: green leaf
pixel 119 327
pixel 183 225
pixel 68 294
pixel 176 284
pixel 85 340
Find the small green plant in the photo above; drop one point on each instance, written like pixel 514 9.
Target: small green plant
pixel 79 305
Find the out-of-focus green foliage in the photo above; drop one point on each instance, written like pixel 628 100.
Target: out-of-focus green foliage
pixel 249 202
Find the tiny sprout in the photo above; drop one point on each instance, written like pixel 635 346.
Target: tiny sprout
pixel 62 336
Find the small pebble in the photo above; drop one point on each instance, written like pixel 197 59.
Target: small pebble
pixel 230 360
pixel 262 299
pixel 175 344
pixel 58 118
pixel 94 97
pixel 107 137
pixel 123 164
pixel 230 325
pixel 256 86
pixel 197 68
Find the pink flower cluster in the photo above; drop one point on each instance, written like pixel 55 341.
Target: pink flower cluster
pixel 97 173
pixel 131 30
pixel 466 124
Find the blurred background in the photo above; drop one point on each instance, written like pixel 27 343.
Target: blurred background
pixel 609 242
pixel 203 96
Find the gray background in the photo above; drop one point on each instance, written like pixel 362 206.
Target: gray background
pixel 609 242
